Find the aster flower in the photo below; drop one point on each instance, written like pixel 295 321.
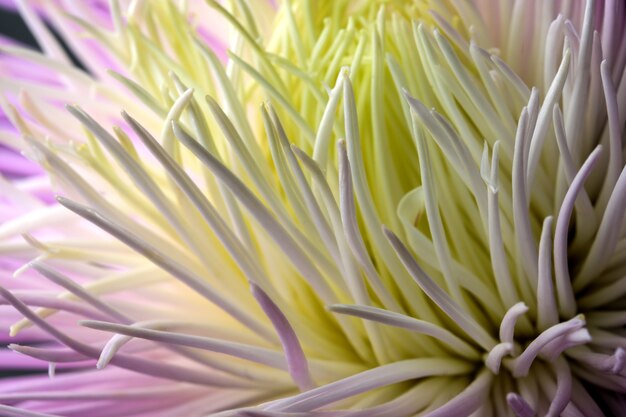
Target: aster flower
pixel 337 208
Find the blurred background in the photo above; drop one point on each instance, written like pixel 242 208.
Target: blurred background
pixel 12 26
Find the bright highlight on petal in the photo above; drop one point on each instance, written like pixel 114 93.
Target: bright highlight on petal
pixel 342 208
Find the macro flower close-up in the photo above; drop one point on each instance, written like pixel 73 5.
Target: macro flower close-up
pixel 333 208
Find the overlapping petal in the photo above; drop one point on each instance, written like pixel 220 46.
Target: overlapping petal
pixel 423 218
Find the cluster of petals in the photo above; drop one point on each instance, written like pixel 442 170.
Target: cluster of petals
pixel 314 208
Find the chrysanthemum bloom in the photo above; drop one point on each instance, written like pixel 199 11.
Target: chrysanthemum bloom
pixel 389 208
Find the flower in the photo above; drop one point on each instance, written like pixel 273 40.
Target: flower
pixel 440 233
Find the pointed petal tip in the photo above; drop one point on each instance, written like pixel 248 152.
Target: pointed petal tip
pixel 521 307
pixel 37 265
pixel 619 361
pixel 14 347
pixel 388 233
pixel 211 100
pixel 188 93
pixel 61 200
pixel 519 405
pixel 74 109
pixel 336 308
pixel 341 145
pixel 90 324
